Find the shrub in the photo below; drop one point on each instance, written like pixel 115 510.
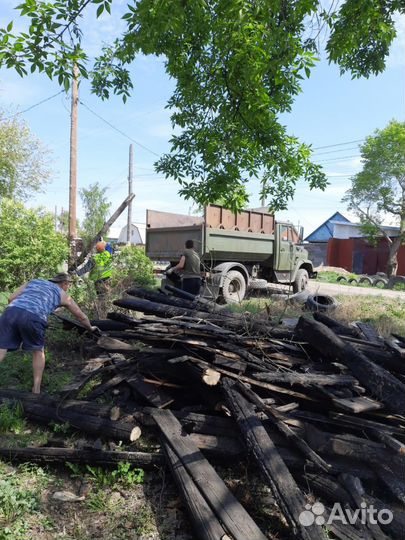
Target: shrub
pixel 131 265
pixel 29 245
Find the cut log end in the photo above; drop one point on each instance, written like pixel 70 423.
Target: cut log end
pixel 211 377
pixel 115 413
pixel 135 434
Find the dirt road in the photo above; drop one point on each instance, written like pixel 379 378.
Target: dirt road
pixel 317 287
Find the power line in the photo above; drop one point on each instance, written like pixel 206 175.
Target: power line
pixel 35 105
pixel 336 151
pixel 338 159
pixel 338 144
pixel 118 130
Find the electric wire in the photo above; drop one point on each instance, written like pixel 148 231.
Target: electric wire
pixel 35 105
pixel 118 130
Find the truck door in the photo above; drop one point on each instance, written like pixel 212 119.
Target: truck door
pixel 283 248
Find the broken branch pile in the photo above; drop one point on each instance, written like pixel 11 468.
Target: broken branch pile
pixel 320 409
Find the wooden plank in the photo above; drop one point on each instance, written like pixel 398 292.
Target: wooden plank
pixel 156 396
pixel 250 380
pixel 357 405
pixel 284 488
pixel 378 381
pixel 306 379
pixel 73 455
pixel 204 521
pixel 369 332
pixel 277 419
pixel 363 423
pixel 230 512
pixel 108 385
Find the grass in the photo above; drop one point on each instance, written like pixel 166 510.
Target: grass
pixel 387 315
pixel 11 418
pixel 20 499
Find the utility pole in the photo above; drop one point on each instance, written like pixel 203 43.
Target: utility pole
pixel 73 157
pixel 130 177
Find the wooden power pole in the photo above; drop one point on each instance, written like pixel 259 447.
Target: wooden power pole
pixel 130 178
pixel 73 157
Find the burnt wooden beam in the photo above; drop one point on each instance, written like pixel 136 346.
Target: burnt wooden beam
pixel 165 299
pixel 158 397
pixel 205 523
pixel 236 521
pixel 306 379
pixel 382 385
pixel 277 419
pixel 90 424
pixel 284 488
pixel 250 380
pixel 49 455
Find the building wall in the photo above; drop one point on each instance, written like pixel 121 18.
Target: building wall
pixel 317 252
pixel 359 257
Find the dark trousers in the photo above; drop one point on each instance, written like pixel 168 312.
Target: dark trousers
pixel 192 285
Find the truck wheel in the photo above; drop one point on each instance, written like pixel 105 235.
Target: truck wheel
pixel 301 281
pixel 234 287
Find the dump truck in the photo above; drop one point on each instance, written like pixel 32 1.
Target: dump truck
pixel 239 252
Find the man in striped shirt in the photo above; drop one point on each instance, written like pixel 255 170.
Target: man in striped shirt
pixel 24 321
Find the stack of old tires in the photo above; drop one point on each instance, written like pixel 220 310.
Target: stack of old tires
pixel 379 280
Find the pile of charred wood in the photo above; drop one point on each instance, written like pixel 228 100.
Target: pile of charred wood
pixel 319 406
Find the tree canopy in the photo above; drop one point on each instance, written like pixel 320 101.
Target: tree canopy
pixel 377 194
pixel 96 207
pixel 23 159
pixel 238 65
pixel 29 245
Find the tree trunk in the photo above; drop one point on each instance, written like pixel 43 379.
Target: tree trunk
pixel 392 263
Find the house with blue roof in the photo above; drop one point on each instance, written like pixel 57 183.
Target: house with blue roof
pixel 317 242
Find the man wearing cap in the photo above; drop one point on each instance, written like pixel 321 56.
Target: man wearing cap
pixel 24 321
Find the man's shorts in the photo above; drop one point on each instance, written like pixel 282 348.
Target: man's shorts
pixel 20 327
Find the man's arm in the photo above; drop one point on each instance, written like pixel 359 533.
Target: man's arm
pixel 180 265
pixel 16 293
pixel 70 304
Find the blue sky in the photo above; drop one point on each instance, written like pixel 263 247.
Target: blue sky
pixel 330 110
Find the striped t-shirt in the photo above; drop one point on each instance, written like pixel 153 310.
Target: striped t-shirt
pixel 40 297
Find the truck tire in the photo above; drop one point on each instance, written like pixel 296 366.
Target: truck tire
pixel 321 302
pixel 234 287
pixel 301 281
pixel 366 279
pixel 341 279
pixel 380 283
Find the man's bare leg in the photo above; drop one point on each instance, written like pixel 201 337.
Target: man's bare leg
pixel 38 365
pixel 3 353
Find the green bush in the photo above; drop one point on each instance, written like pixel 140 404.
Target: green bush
pixel 84 294
pixel 29 245
pixel 132 266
